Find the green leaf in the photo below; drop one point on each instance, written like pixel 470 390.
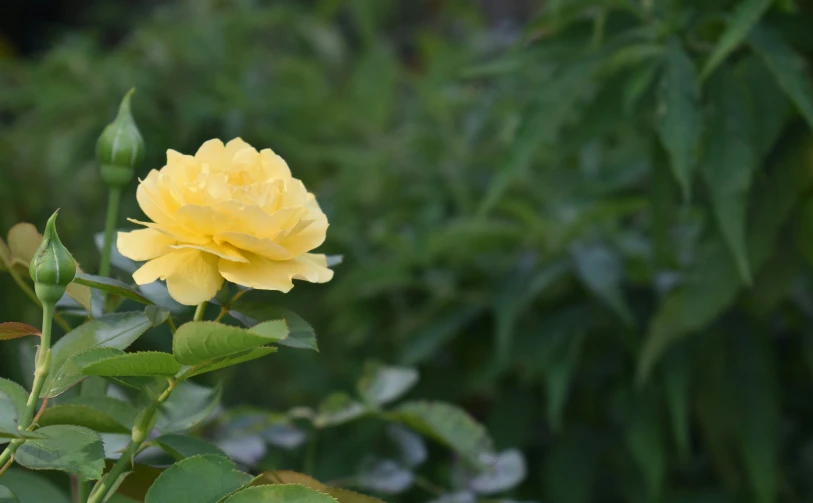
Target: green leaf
pixel 559 375
pixel 17 395
pixel 746 15
pixel 768 103
pixel 227 361
pixel 100 413
pixel 113 286
pixel 680 119
pixel 6 496
pixel 69 373
pixel 145 363
pixel 290 477
pixel 201 479
pixel 15 330
pixel 73 449
pixel 644 440
pixel 157 315
pixel 712 283
pixel 758 415
pixel 600 270
pixel 188 405
pixel 184 446
pixel 202 341
pixel 32 487
pixel 382 384
pixel 279 493
pixel 787 66
pixel 729 162
pixel 252 309
pixel 338 408
pixel 449 425
pixel 116 331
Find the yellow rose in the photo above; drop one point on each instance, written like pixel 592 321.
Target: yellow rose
pixel 228 212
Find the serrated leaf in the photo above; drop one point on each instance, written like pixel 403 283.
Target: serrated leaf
pixel 281 493
pixel 202 341
pixel 184 446
pixel 99 413
pixel 201 479
pixel 787 66
pixel 144 363
pixel 412 448
pixel 31 487
pixel 449 425
pixel 342 495
pixel 227 361
pixel 15 330
pixel 745 16
pixel 69 373
pixel 729 162
pixel 252 309
pixel 188 405
pixel 113 286
pixel 679 121
pixel 382 384
pixel 73 449
pixel 116 331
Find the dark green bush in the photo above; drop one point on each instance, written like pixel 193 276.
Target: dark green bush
pixel 591 229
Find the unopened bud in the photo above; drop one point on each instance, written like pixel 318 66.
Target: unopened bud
pixel 52 268
pixel 120 148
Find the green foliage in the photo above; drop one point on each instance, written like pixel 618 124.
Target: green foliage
pixel 587 222
pixel 206 478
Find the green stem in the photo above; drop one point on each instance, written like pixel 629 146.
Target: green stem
pixel 43 366
pixel 82 491
pixel 109 227
pixel 145 423
pixel 200 311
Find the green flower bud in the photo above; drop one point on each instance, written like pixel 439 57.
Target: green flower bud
pixel 120 147
pixel 52 268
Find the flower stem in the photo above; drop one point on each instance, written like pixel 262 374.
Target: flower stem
pixel 43 366
pixel 200 311
pixel 109 227
pixel 145 423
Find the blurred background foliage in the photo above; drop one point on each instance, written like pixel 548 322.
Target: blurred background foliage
pixel 586 221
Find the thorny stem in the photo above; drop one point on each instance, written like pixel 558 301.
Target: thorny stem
pixel 109 227
pixel 43 366
pixel 140 433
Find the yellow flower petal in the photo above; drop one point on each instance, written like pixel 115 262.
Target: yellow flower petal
pixel 144 244
pixel 229 212
pixel 276 275
pixel 160 267
pixel 196 279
